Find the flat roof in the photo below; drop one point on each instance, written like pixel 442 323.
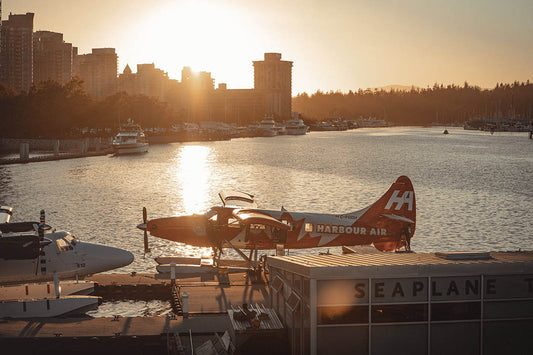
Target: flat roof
pixel 387 265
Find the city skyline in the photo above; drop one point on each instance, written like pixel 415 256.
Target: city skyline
pixel 351 45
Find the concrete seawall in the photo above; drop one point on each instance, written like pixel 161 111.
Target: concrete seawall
pixel 12 145
pixel 52 149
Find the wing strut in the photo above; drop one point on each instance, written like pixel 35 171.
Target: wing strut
pixel 247 259
pixel 255 268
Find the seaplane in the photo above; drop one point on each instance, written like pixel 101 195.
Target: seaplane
pixel 34 257
pixel 388 225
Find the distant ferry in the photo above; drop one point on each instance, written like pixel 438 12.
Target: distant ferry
pixel 130 139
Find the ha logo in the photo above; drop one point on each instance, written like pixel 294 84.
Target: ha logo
pixel 407 197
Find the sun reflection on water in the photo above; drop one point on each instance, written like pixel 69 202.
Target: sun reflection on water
pixel 192 173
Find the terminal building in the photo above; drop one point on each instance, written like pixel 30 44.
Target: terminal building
pixel 405 303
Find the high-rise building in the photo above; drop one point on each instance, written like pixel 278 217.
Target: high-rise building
pixel 240 106
pixel 195 94
pixel 273 77
pixel 197 81
pixel 148 80
pixel 98 70
pixel 16 54
pixel 52 57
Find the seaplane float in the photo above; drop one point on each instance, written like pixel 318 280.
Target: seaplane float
pixel 34 257
pixel 388 225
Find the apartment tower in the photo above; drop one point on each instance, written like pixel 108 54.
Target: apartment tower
pixel 52 57
pixel 16 53
pixel 148 80
pixel 98 70
pixel 273 78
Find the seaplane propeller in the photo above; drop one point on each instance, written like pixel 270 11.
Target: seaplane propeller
pixel 42 243
pixel 144 228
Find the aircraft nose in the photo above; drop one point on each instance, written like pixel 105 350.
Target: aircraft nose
pixel 100 258
pixel 122 257
pixel 142 226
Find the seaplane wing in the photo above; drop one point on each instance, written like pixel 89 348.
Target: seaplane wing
pixel 249 217
pixel 388 224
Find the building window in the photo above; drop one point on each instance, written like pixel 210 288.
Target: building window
pixel 293 301
pixel 455 311
pixel 399 313
pixel 507 309
pixel 342 315
pixel 277 284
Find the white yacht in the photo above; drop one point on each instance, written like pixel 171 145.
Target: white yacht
pixel 130 139
pixel 267 128
pixel 296 127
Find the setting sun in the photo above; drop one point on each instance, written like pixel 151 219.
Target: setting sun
pixel 193 33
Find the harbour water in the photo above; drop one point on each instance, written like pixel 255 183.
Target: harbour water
pixel 474 191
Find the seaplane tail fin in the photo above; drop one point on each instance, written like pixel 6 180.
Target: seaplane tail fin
pixel 396 212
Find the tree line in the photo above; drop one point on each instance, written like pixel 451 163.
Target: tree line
pixel 444 104
pixel 51 110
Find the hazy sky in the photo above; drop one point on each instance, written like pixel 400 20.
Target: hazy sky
pixel 335 45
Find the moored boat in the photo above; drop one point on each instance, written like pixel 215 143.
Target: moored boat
pixel 267 128
pixel 296 127
pixel 130 139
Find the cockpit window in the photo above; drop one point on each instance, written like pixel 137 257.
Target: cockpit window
pixel 233 222
pixel 63 245
pixel 71 239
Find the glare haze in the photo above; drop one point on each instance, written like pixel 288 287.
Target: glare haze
pixel 335 45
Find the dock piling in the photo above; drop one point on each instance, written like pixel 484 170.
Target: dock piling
pixel 185 300
pixel 24 151
pixel 56 148
pixel 173 272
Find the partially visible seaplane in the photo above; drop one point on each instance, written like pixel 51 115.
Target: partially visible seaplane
pixel 33 253
pixel 388 224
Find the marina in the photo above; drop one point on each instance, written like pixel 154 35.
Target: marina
pixel 269 183
pixel 100 199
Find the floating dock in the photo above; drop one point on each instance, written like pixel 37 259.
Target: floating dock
pixel 210 299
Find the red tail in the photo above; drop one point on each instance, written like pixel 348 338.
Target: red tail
pixel 396 212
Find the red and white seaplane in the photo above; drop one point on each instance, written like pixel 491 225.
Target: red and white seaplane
pixel 388 224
